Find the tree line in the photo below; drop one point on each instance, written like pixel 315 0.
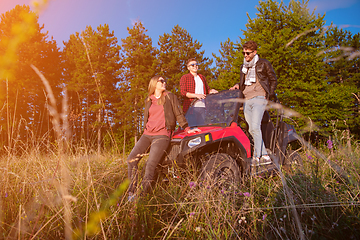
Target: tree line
pixel 106 79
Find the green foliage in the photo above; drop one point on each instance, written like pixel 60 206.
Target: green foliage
pixel 91 63
pixel 17 27
pixel 227 69
pixel 343 78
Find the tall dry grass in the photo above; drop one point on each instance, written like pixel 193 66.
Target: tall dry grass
pixel 182 208
pixel 33 196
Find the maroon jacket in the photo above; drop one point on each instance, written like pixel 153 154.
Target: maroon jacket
pixel 187 84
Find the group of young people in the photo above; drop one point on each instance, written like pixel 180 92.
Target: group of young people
pixel 162 111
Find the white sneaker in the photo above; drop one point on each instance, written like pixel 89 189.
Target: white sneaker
pixel 255 162
pixel 265 160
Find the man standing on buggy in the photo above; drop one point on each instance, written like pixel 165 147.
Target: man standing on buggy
pixel 258 83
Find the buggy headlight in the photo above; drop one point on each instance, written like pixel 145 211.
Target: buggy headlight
pixel 194 142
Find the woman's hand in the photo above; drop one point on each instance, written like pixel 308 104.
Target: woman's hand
pixel 194 130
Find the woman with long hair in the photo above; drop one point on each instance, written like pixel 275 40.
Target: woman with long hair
pixel 162 110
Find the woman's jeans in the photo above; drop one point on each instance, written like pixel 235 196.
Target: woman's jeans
pixel 157 146
pixel 254 109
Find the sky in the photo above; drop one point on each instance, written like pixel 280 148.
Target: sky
pixel 208 21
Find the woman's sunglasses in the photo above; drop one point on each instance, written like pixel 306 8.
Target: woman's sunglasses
pixel 162 81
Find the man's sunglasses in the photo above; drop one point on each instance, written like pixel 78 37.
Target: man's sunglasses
pixel 247 53
pixel 162 81
pixel 193 65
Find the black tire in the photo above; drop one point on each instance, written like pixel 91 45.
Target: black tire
pixel 293 161
pixel 222 170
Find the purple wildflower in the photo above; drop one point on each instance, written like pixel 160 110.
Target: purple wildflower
pixel 329 144
pixel 246 194
pixel 264 216
pixel 6 195
pixel 309 157
pixel 192 184
pixel 192 214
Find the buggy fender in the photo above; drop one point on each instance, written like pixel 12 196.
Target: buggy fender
pixel 234 134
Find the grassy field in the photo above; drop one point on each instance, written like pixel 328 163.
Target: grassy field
pixel 84 197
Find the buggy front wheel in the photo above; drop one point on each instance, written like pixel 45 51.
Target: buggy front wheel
pixel 221 170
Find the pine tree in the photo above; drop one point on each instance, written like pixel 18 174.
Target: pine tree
pixel 23 95
pixel 227 69
pixel 91 63
pixel 343 78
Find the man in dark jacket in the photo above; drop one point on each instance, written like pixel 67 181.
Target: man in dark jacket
pixel 257 82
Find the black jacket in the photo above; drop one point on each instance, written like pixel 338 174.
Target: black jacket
pixel 266 76
pixel 172 110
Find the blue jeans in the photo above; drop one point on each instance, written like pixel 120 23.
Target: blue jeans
pixel 254 109
pixel 157 146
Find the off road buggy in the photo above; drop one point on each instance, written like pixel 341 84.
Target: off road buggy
pixel 223 148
